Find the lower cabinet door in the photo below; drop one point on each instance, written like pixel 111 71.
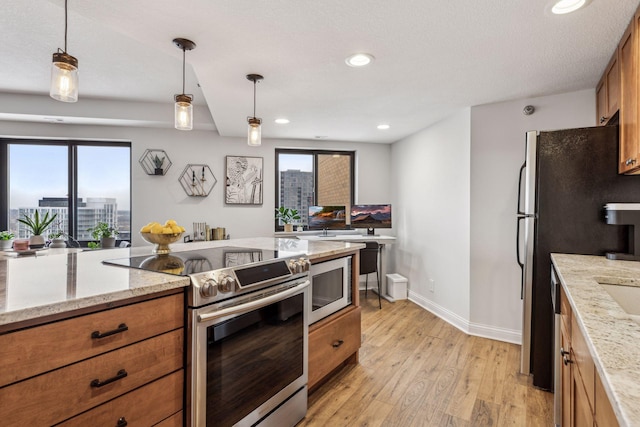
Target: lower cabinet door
pixel 155 403
pixel 332 343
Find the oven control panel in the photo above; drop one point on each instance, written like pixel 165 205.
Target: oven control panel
pixel 217 285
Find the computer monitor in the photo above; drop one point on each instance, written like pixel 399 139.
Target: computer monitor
pixel 371 217
pixel 327 217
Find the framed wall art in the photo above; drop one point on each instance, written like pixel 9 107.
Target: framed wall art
pixel 244 180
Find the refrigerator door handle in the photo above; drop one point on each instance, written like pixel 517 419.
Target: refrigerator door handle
pixel 520 263
pixel 524 165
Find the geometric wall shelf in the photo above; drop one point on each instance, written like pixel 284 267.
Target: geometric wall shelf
pixel 155 162
pixel 197 180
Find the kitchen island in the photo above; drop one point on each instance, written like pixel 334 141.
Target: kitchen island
pixel 111 339
pixel 611 334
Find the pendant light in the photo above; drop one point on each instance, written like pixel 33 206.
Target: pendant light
pixel 255 134
pixel 183 108
pixel 64 71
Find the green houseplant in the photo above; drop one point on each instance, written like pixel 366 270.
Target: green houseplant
pixel 37 224
pixel 105 233
pixel 6 240
pixel 287 216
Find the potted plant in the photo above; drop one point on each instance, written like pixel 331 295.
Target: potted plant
pixel 6 240
pixel 105 233
pixel 57 240
pixel 287 216
pixel 37 225
pixel 158 162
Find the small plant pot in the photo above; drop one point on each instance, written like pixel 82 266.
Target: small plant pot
pixel 158 171
pixel 6 244
pixel 108 242
pixel 58 243
pixel 36 242
pixel 288 228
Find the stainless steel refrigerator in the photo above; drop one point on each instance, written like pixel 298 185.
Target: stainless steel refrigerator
pixel 566 179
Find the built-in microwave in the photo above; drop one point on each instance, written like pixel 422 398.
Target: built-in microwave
pixel 330 287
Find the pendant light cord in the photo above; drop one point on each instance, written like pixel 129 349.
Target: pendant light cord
pixel 254 98
pixel 183 66
pixel 65 26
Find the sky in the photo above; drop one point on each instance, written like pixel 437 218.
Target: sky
pixel 302 162
pixel 39 171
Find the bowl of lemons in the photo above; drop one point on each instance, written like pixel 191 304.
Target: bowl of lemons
pixel 162 235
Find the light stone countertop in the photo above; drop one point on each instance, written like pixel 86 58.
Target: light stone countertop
pixel 612 335
pixel 56 281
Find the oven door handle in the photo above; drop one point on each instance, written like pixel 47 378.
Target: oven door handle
pixel 250 306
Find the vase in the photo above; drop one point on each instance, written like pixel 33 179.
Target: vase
pixel 36 242
pixel 108 242
pixel 288 228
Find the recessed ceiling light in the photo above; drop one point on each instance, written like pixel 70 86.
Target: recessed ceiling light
pixel 321 137
pixel 383 127
pixel 567 6
pixel 359 60
pixel 282 121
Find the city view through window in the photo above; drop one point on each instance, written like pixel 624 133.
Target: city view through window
pixel 300 172
pixel 103 187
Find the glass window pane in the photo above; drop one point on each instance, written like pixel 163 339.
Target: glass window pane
pixel 104 191
pixel 296 183
pixel 37 181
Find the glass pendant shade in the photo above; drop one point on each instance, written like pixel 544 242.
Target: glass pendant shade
pixel 255 133
pixel 64 77
pixel 183 112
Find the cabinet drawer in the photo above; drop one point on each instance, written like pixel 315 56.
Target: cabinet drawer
pixel 60 394
pixel 332 343
pixel 583 361
pixel 173 421
pixel 40 349
pixel 144 406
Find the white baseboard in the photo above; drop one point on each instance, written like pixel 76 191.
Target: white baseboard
pixel 469 328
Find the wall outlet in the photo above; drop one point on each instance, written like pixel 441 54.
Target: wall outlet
pixel 432 285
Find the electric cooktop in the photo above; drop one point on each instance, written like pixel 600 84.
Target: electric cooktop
pixel 197 261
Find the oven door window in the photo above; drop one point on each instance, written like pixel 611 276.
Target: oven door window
pixel 252 357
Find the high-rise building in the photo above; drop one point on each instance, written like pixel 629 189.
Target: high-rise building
pixel 296 191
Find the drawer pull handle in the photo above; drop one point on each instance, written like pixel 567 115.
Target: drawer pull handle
pixel 97 383
pixel 337 344
pixel 122 422
pixel 563 351
pixel 121 328
pixel 566 360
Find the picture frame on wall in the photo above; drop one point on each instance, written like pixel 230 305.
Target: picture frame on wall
pixel 244 181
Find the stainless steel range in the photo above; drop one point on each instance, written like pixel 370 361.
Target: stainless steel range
pixel 247 350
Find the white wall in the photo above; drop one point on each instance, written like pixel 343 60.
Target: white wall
pixel 497 152
pixel 158 198
pixel 431 215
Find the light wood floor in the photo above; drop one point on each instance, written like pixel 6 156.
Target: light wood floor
pixel 417 370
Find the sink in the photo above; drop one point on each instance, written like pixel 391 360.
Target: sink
pixel 626 292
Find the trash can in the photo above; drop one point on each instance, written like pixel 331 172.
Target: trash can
pixel 397 286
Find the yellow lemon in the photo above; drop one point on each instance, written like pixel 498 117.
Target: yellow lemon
pixel 156 229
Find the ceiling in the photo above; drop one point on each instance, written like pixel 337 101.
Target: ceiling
pixel 431 57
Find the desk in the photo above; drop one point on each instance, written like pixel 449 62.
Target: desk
pixel 382 240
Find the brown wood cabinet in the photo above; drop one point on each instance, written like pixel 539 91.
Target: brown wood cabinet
pixel 584 401
pixel 95 364
pixel 608 92
pixel 628 58
pixel 335 340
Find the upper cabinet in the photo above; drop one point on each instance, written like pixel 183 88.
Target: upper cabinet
pixel 618 90
pixel 628 59
pixel 608 92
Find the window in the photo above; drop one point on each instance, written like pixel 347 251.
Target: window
pixel 313 178
pixel 82 182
